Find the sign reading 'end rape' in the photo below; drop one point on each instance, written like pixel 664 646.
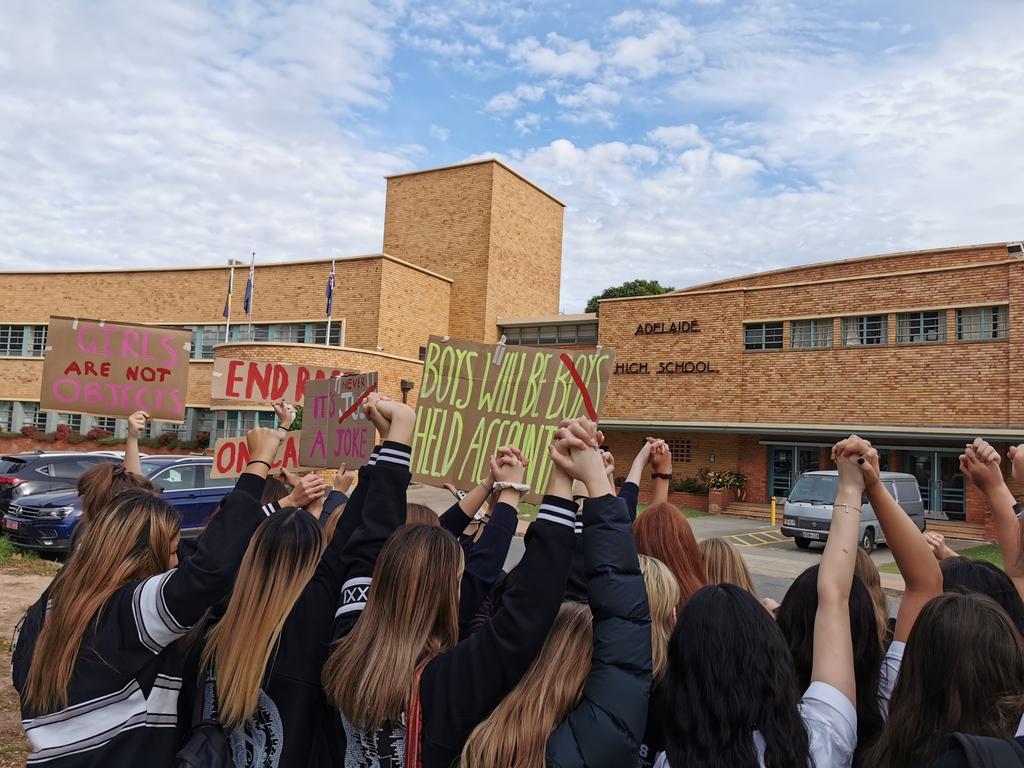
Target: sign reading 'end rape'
pixel 334 428
pixel 114 369
pixel 476 398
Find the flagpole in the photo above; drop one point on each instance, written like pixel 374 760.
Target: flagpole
pixel 327 339
pixel 231 287
pixel 252 289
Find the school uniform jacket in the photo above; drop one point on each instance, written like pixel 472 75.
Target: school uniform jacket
pixel 605 728
pixel 460 688
pixel 291 706
pixel 123 697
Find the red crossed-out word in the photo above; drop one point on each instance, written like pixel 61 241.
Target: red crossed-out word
pixel 352 408
pixel 587 402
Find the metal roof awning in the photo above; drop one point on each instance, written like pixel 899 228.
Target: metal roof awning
pixel 888 431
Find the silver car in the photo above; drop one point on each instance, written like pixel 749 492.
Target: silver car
pixel 808 511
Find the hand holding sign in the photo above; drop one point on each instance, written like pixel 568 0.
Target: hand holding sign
pixel 137 424
pixel 285 414
pixel 263 444
pixel 400 417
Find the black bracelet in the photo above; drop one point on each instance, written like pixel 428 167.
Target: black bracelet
pixel 259 461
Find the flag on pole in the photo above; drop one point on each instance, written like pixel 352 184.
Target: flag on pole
pixel 247 304
pixel 330 291
pixel 231 287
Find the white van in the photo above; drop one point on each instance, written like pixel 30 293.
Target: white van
pixel 808 511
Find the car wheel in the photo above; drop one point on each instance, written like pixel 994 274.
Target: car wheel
pixel 867 541
pixel 802 543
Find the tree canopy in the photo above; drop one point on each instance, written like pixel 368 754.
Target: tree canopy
pixel 629 288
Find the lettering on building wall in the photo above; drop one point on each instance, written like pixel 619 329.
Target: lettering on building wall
pixel 651 329
pixel 665 368
pixel 476 398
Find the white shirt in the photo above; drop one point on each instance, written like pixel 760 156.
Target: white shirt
pixel 831 722
pixel 888 676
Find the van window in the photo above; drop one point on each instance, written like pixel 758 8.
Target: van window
pixel 815 489
pixel 908 491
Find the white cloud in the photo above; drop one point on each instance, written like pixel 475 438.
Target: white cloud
pixel 665 44
pixel 677 136
pixel 590 95
pixel 561 56
pixel 509 101
pixel 444 48
pixel 488 36
pixel 178 134
pixel 528 123
pixel 440 133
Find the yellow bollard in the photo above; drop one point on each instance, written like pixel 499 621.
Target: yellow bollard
pixel 773 511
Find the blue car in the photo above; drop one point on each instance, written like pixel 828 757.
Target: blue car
pixel 48 521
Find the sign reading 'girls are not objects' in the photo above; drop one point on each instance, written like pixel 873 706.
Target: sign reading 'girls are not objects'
pixel 102 368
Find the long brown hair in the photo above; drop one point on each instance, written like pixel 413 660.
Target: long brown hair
pixel 867 572
pixel 725 565
pixel 963 670
pixel 662 531
pixel 99 484
pixel 515 735
pixel 411 615
pixel 421 514
pixel 130 540
pixel 663 599
pixel 280 560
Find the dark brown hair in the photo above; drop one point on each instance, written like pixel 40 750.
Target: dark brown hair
pixel 662 531
pixel 421 514
pixel 98 485
pixel 963 670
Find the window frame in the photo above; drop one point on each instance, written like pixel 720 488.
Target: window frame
pixel 815 324
pixel 764 343
pixel 998 320
pixel 863 330
pixel 912 328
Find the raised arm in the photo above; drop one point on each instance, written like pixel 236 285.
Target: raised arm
pixel 981 463
pixel 833 643
pixel 913 556
pixel 132 459
pixel 461 513
pixel 661 470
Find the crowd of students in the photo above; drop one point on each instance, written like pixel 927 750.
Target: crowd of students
pixel 316 626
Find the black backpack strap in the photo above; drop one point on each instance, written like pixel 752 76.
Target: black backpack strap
pixel 205 705
pixel 987 752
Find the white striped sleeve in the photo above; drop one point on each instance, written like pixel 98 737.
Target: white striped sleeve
pixel 395 455
pixel 556 510
pixel 353 595
pixel 156 626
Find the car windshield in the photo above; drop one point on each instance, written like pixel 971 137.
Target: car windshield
pixel 815 489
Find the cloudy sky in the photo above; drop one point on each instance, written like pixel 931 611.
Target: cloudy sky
pixel 690 139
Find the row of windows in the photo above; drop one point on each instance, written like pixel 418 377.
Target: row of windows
pixel 553 335
pixel 972 324
pixel 22 340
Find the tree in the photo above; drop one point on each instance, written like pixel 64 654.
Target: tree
pixel 629 288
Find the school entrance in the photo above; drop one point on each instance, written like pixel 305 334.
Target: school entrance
pixel 943 488
pixel 785 465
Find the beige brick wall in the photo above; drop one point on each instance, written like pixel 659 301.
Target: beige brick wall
pixel 524 276
pixel 391 369
pixel 950 384
pixel 496 235
pixel 413 305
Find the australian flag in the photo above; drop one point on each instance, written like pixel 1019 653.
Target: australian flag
pixel 330 291
pixel 247 304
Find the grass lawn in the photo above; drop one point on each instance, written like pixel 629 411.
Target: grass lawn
pixel 988 552
pixel 529 511
pixel 14 560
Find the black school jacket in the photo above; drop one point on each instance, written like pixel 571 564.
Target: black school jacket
pixel 292 707
pixel 459 689
pixel 605 728
pixel 123 698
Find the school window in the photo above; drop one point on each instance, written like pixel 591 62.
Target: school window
pixel 982 323
pixel 256 332
pixel 106 423
pixel 320 334
pixel 33 417
pixel 73 420
pixel 38 340
pixel 237 423
pixel 423 354
pixel 586 333
pixel 205 338
pixel 6 415
pixel 865 330
pixel 920 327
pixel 811 334
pixel 12 339
pixel 681 448
pixel 762 336
pixel 292 333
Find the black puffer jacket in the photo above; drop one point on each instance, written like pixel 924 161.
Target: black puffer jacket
pixel 605 729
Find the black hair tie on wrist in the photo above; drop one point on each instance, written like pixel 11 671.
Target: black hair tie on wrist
pixel 258 461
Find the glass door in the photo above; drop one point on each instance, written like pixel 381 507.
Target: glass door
pixel 788 462
pixel 942 485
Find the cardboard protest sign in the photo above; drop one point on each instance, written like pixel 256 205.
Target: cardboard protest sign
pixel 334 427
pixel 259 381
pixel 476 398
pixel 231 455
pixel 114 369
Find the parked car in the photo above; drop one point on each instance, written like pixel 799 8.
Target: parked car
pixel 808 511
pixel 26 474
pixel 49 521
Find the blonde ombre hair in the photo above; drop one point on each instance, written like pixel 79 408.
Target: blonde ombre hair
pixel 663 598
pixel 726 565
pixel 131 540
pixel 516 733
pixel 278 563
pixel 411 616
pixel 866 570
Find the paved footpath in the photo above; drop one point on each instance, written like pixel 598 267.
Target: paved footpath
pixel 773 559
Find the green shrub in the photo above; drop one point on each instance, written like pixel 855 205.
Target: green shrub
pixel 76 438
pixel 689 485
pixel 728 480
pixel 110 441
